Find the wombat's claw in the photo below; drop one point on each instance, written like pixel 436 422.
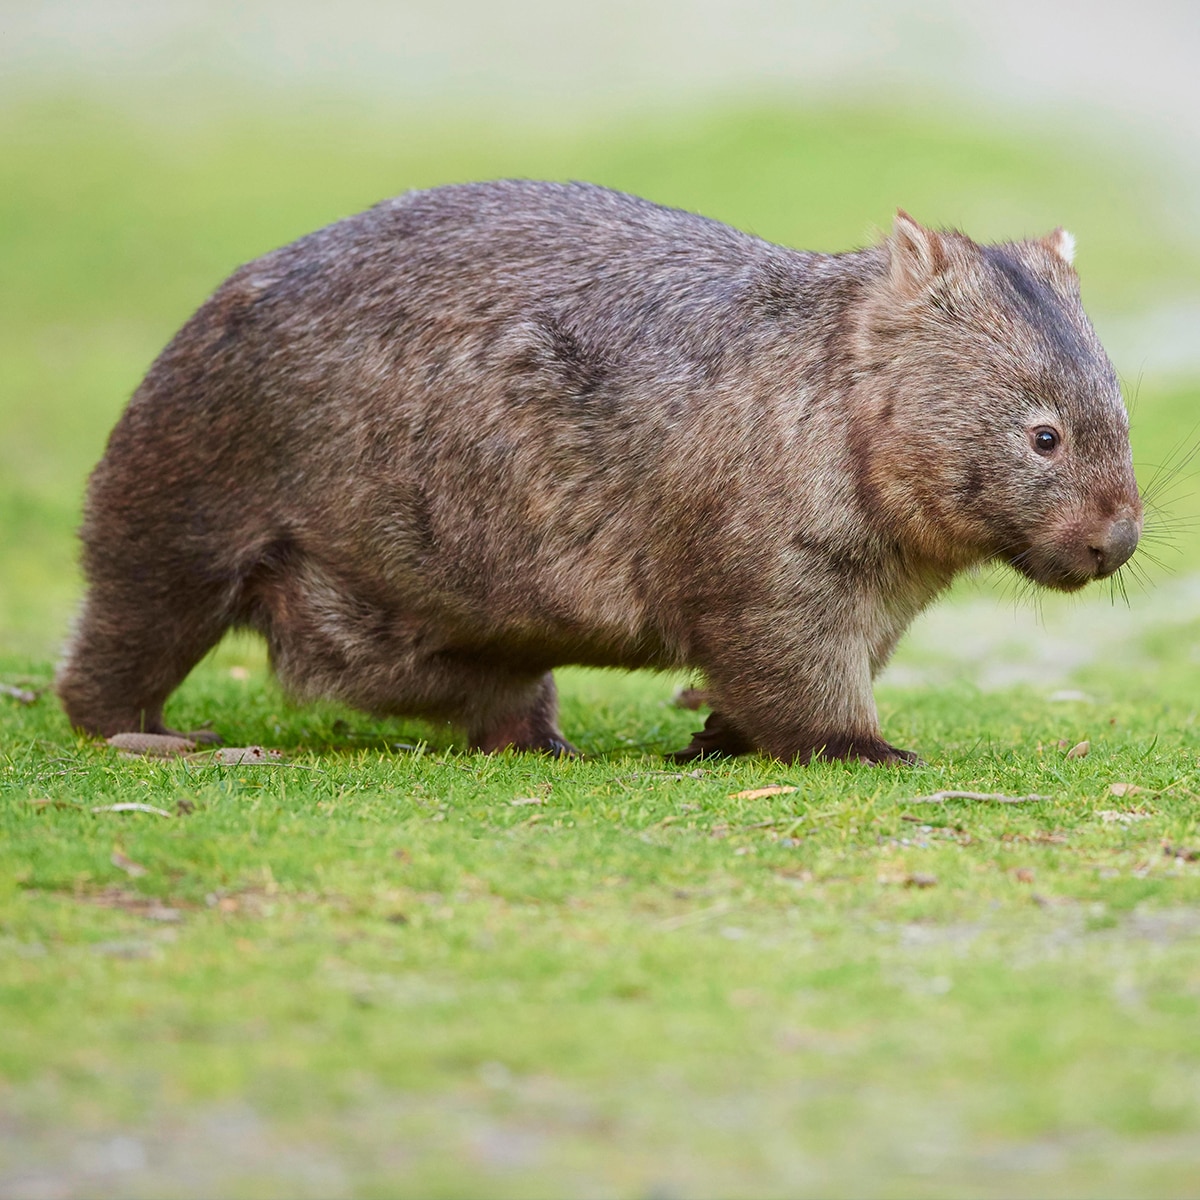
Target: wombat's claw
pixel 718 739
pixel 559 748
pixel 892 757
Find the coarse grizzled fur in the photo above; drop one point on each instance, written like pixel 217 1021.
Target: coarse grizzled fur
pixel 437 449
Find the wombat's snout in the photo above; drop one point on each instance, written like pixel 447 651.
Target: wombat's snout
pixel 1112 544
pixel 1080 551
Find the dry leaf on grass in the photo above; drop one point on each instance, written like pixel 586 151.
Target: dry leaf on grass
pixel 154 745
pixel 776 789
pixel 1079 750
pixel 1023 875
pixel 527 800
pixel 242 756
pixel 1109 816
pixel 19 694
pixel 1125 789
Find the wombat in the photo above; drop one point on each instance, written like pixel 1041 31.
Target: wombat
pixel 436 449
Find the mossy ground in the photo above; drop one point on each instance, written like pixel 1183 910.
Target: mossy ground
pixel 385 966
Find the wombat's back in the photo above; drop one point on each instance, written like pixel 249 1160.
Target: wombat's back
pixel 490 391
pixel 516 421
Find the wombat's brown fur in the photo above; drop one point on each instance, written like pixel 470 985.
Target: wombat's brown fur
pixel 437 449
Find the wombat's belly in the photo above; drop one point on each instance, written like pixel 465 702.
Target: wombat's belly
pixel 335 627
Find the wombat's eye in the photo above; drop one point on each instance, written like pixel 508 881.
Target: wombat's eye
pixel 1045 440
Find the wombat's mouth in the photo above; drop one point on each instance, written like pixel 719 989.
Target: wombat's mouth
pixel 1080 552
pixel 1058 580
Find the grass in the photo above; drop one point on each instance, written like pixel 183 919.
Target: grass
pixel 384 966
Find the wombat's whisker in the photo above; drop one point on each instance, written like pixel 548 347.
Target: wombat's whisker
pixel 1165 539
pixel 1119 586
pixel 1146 553
pixel 1132 395
pixel 1138 575
pixel 1158 519
pixel 1169 495
pixel 1169 472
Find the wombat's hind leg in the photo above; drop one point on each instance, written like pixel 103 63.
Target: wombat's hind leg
pixel 131 649
pixel 527 722
pixel 719 738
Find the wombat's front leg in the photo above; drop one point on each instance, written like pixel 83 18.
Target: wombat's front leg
pixel 815 702
pixel 720 738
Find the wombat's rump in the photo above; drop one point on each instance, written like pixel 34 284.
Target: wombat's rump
pixel 437 449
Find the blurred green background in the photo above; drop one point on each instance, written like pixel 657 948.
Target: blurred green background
pixel 143 155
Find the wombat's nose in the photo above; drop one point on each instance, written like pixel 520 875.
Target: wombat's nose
pixel 1111 547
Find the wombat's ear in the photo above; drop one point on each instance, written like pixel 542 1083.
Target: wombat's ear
pixel 1061 243
pixel 919 255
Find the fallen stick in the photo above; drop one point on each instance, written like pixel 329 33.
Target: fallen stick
pixel 146 808
pixel 994 797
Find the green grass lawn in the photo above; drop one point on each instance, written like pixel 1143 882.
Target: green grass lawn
pixel 384 966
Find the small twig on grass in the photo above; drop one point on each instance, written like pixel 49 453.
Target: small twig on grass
pixel 288 765
pixel 146 808
pixel 994 797
pixel 697 774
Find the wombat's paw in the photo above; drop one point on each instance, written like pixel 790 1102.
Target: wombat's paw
pixel 862 748
pixel 871 750
pixel 553 744
pixel 718 739
pixel 891 756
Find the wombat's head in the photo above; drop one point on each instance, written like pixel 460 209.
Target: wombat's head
pixel 992 423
